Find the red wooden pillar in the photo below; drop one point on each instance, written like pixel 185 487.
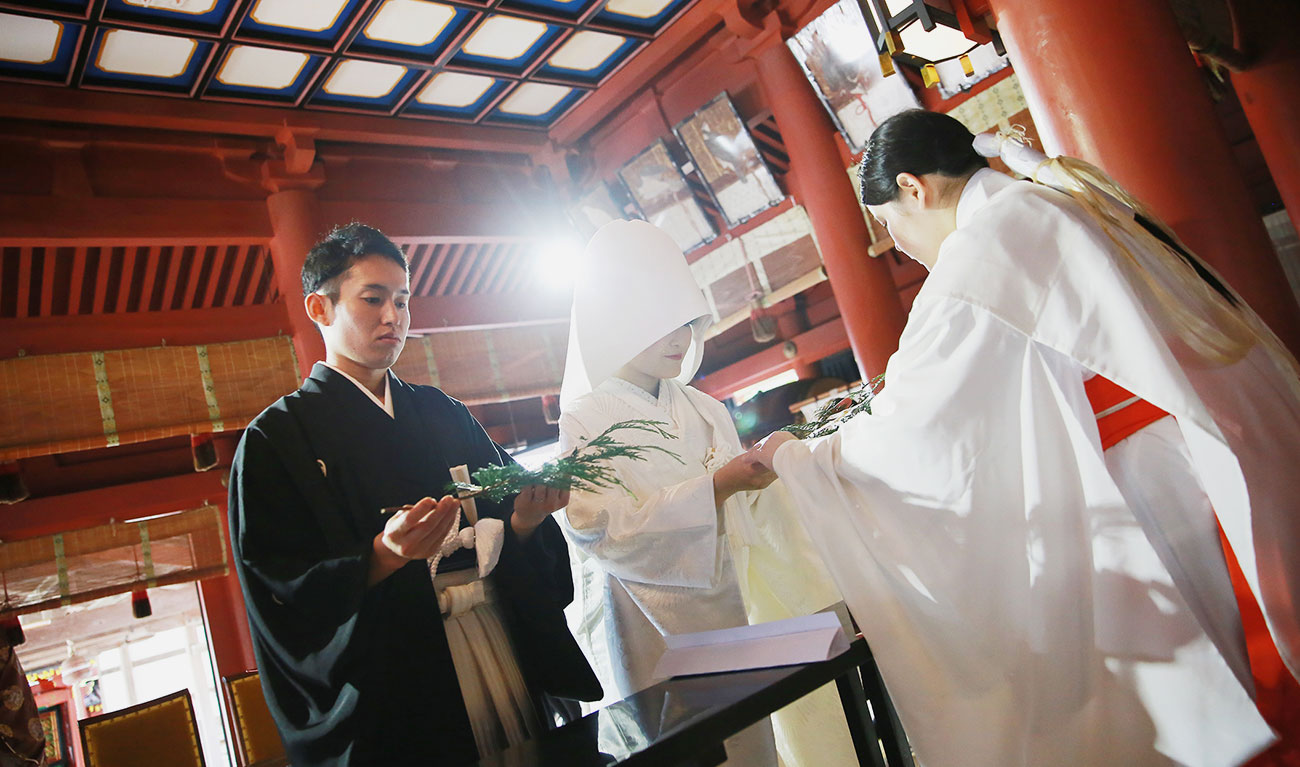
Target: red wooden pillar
pixel 226 620
pixel 227 623
pixel 864 289
pixel 294 220
pixel 1269 90
pixel 1113 82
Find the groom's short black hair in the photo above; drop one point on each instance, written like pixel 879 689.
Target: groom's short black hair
pixel 331 258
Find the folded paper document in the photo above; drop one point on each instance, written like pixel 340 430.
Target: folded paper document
pixel 806 639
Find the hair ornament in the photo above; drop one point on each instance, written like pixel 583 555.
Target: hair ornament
pixel 1218 330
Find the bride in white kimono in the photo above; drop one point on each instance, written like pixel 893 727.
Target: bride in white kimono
pixel 694 545
pixel 1015 588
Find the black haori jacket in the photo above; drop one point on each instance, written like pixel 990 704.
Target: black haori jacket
pixel 355 674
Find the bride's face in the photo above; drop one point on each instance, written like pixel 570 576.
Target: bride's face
pixel 663 358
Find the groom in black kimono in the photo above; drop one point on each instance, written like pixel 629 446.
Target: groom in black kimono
pixel 346 627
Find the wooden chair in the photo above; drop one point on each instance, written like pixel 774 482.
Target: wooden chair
pixel 257 738
pixel 159 733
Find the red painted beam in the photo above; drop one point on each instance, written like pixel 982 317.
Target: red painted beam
pixel 107 221
pixel 435 222
pixel 54 514
pixel 66 105
pixel 42 220
pixel 818 343
pixel 133 330
pixel 431 314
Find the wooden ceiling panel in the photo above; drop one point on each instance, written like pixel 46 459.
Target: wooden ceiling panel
pixel 229 54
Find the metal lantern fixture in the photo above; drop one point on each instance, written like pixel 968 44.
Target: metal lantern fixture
pixel 922 33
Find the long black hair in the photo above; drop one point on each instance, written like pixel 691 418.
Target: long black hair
pixel 921 142
pixel 916 142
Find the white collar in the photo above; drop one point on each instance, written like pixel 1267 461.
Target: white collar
pixel 985 183
pixel 386 404
pixel 661 400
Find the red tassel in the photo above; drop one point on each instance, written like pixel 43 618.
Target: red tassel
pixel 204 451
pixel 13 630
pixel 140 606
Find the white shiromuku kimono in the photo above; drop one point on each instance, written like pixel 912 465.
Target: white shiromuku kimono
pixel 1006 579
pixel 664 559
pixel 660 550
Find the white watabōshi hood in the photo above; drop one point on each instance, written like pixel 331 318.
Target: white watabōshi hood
pixel 633 288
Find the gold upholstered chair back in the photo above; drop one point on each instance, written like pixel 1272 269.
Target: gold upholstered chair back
pixel 159 733
pixel 257 738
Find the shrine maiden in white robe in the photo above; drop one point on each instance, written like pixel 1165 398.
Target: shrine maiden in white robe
pixel 1019 613
pixel 664 559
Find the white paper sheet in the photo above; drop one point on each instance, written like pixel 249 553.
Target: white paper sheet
pixel 806 639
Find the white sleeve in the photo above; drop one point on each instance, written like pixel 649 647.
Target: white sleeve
pixel 667 537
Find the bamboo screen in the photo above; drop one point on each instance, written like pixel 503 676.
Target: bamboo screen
pixel 61 403
pixel 96 562
pixel 772 262
pixel 488 365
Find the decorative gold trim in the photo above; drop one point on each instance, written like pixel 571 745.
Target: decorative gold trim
pixel 103 41
pixel 209 389
pixel 58 38
pixel 293 353
pixel 217 520
pixel 61 567
pixel 595 66
pixel 398 81
pixel 146 556
pixel 148 4
pixel 306 59
pixel 105 397
pixel 492 81
pixel 430 362
pixel 639 16
pixel 505 103
pixel 465 48
pixel 371 23
pixel 494 366
pixel 342 7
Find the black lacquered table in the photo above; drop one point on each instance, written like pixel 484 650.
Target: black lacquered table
pixel 682 722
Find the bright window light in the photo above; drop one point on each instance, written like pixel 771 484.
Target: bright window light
pixel 741 396
pixel 557 260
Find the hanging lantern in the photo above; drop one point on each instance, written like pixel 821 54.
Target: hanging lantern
pixel 921 32
pixel 761 326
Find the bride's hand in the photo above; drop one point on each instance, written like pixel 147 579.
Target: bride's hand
pixel 740 474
